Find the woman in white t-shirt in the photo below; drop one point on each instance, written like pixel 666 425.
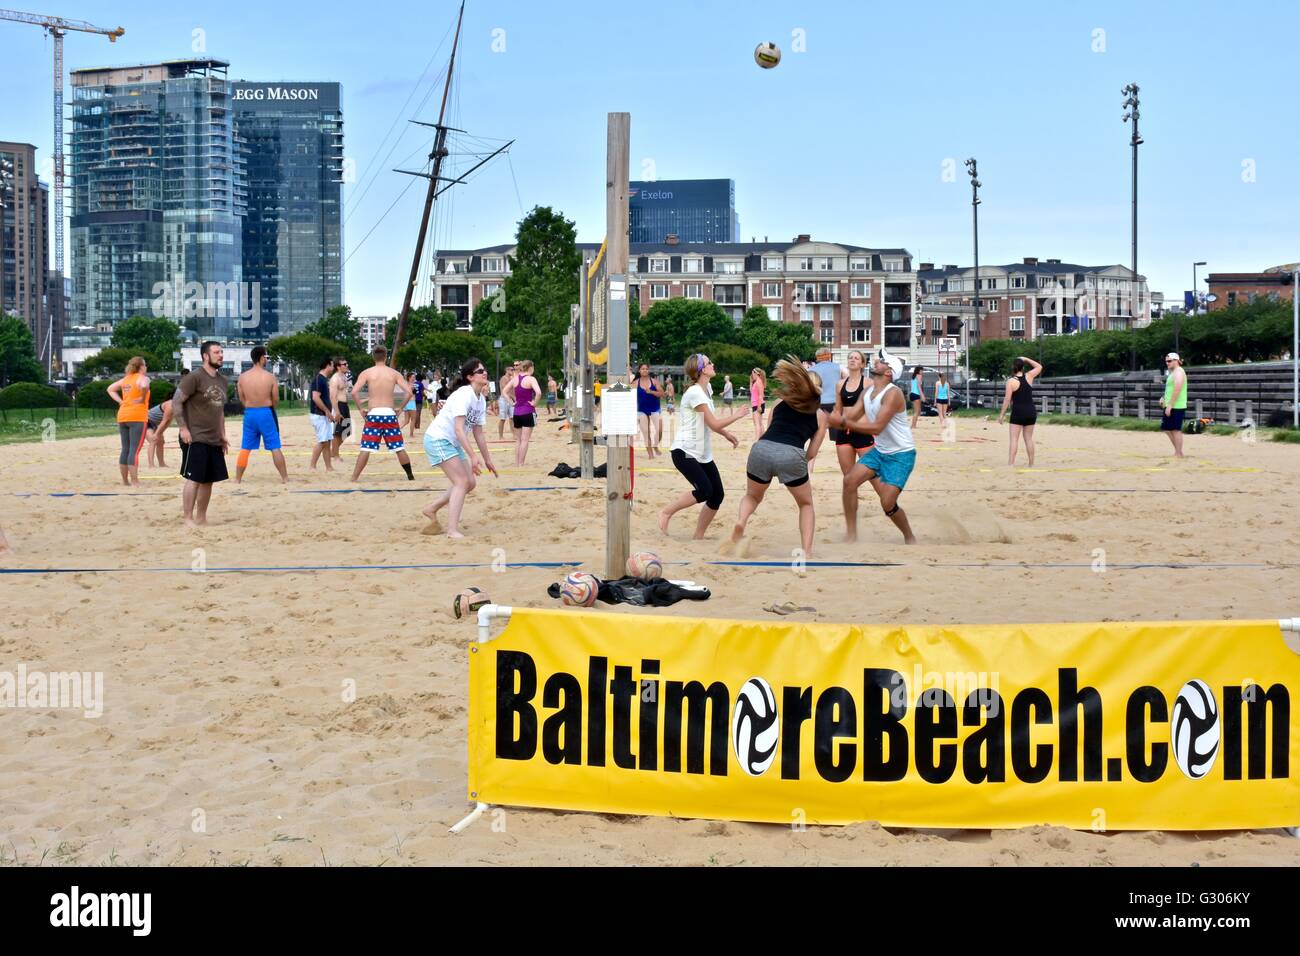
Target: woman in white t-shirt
pixel 692 447
pixel 446 442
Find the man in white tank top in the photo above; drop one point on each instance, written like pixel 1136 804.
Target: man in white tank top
pixel 881 411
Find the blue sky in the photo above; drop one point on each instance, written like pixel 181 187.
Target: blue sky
pixel 846 141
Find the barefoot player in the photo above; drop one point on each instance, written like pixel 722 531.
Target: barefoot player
pixel 881 411
pixel 381 384
pixel 259 392
pixel 200 407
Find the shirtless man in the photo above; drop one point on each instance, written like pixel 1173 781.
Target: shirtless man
pixel 259 393
pixel 339 386
pixel 380 381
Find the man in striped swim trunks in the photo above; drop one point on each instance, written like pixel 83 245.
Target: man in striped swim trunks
pixel 381 425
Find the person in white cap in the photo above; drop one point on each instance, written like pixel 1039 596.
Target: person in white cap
pixel 880 411
pixel 1174 402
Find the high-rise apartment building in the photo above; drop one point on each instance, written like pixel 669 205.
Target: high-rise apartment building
pixel 25 243
pixel 158 197
pixel 293 230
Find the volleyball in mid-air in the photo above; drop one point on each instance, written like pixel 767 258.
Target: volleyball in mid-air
pixel 767 55
pixel 579 589
pixel 468 602
pixel 645 565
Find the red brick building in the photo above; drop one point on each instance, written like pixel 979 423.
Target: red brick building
pixel 1242 288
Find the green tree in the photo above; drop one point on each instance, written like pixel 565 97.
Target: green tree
pixel 532 314
pixel 445 351
pixel 111 362
pixel 302 352
pixel 159 336
pixel 774 339
pixel 425 320
pixel 339 326
pixel 674 328
pixel 18 362
pixel 95 395
pixel 32 395
pixel 734 360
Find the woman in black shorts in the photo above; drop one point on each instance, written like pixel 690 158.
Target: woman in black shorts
pixel 794 434
pixel 849 445
pixel 1020 398
pixel 692 447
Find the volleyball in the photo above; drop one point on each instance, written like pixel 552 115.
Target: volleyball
pixel 767 55
pixel 1195 728
pixel 468 602
pixel 579 589
pixel 645 565
pixel 755 726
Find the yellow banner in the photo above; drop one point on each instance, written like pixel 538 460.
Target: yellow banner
pixel 1170 726
pixel 597 344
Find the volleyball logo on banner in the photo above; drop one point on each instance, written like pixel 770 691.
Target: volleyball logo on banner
pixel 597 311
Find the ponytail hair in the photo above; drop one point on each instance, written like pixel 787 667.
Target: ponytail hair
pixel 800 388
pixel 466 370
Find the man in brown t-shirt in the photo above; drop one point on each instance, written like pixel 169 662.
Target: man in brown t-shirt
pixel 200 407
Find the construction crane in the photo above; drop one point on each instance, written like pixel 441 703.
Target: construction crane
pixel 57 27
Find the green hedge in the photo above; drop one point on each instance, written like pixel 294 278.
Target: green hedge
pixel 31 395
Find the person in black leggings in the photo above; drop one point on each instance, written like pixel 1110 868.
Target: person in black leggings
pixel 692 447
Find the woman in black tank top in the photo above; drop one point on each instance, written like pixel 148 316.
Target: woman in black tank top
pixel 1019 398
pixel 849 445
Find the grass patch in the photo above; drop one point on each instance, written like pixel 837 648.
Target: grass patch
pixel 33 425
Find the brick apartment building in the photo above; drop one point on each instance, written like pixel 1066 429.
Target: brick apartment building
pixel 852 296
pixel 1242 288
pixel 1031 299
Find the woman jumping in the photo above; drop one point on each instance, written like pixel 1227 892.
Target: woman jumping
pixel 797 421
pixel 446 442
pixel 692 448
pixel 1020 397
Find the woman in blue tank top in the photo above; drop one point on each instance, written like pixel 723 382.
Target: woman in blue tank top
pixel 648 393
pixel 941 398
pixel 916 394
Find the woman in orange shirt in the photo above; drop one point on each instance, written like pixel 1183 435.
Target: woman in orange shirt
pixel 131 392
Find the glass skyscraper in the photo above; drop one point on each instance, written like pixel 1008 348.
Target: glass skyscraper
pixel 158 198
pixel 293 231
pixel 693 210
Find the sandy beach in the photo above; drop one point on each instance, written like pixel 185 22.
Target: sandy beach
pixel 229 732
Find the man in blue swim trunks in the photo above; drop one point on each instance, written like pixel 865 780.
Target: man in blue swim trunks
pixel 881 411
pixel 259 392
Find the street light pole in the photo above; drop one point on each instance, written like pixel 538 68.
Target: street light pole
pixel 1131 104
pixel 1196 303
pixel 975 184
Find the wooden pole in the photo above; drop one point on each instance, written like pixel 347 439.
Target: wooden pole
pixel 618 480
pixel 439 152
